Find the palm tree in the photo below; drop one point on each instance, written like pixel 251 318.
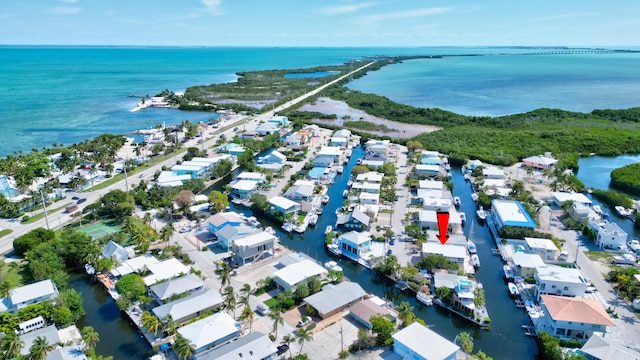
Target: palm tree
pixel 169 326
pixel 11 345
pixel 288 340
pixel 302 291
pixel 465 341
pixel 247 314
pixel 230 300
pixel 166 233
pixel 90 336
pixel 244 299
pixel 5 288
pixel 39 349
pixel 224 274
pixel 150 322
pixel 146 219
pixel 277 318
pixel 183 348
pixel 405 313
pixel 128 225
pixel 303 335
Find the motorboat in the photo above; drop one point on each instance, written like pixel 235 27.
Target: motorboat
pixel 463 217
pixel 325 199
pixel 471 246
pixel 313 219
pixel 270 230
pixel 475 261
pixel 89 268
pixel 467 177
pixel 474 197
pixel 328 229
pixel 349 183
pixel 345 194
pixel 482 214
pixel 287 227
pixel 334 249
pixel 319 211
pixel 359 161
pixel 597 209
pixel 622 211
pixel 508 272
pixel 513 289
pixel 340 169
pixel 425 298
pixel 456 201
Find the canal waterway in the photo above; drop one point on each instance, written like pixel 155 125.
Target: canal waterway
pixel 118 336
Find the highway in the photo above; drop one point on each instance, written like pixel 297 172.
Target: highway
pixel 59 218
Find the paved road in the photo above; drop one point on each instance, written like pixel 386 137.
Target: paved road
pixel 59 219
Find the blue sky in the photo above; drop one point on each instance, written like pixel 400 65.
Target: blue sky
pixel 320 22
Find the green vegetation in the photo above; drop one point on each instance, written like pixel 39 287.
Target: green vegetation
pixel 612 198
pixel 365 125
pixel 36 217
pixel 626 179
pixel 628 287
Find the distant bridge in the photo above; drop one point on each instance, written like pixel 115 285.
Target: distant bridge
pixel 578 51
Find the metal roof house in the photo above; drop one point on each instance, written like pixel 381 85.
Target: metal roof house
pixel 599 348
pixel 557 280
pixel 254 345
pixel 332 299
pixel 283 205
pixel 191 306
pixel 184 284
pixel 254 246
pixel 49 333
pixel 113 249
pixel 510 213
pixel 31 294
pixel 290 276
pixel 210 332
pixel 220 220
pixel 420 343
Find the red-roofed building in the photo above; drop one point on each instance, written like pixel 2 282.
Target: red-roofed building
pixel 572 317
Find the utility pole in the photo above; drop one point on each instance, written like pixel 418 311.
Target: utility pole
pixel 341 339
pixel 44 206
pixel 126 179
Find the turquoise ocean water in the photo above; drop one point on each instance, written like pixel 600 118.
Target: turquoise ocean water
pixel 67 94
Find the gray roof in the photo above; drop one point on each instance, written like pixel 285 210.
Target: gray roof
pixel 600 348
pixel 255 345
pixel 50 333
pixel 192 304
pixel 293 258
pixel 176 286
pixel 335 296
pixel 114 249
pixel 67 353
pixel 229 231
pixel 33 291
pixel 356 214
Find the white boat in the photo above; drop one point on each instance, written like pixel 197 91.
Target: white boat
pixel 313 219
pixel 334 249
pixel 513 289
pixel 359 161
pixel 319 211
pixel 345 194
pixel 508 272
pixel 463 217
pixel 287 227
pixel 475 261
pixel 349 183
pixel 325 199
pixel 456 201
pixel 332 265
pixel 340 169
pixel 425 298
pixel 270 230
pixel 471 246
pixel 597 209
pixel 474 197
pixel 89 268
pixel 482 214
pixel 467 177
pixel 621 211
pixel 328 229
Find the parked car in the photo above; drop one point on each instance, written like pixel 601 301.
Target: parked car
pixel 262 310
pixel 282 349
pixel 185 229
pixel 80 201
pixel 304 321
pixel 634 245
pixel 75 198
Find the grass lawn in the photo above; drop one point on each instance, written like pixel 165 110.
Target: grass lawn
pixel 5 232
pixel 271 303
pixel 39 216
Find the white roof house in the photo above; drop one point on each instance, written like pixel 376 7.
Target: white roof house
pixel 418 342
pixel 188 283
pixel 526 264
pixel 245 185
pixel 559 197
pixel 543 247
pixel 599 348
pixel 32 294
pixel 334 298
pixel 211 331
pixel 368 198
pixel 165 270
pixel 255 345
pixel 510 213
pixel 557 280
pixel 431 184
pixel 332 151
pixel 169 179
pixel 367 187
pixel 608 234
pixel 113 249
pixel 451 252
pixel 254 176
pixel 493 172
pixel 284 205
pixel 134 265
pixel 290 276
pixel 190 306
pixel 371 176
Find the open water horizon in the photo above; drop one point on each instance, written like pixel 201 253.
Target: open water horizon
pixel 66 94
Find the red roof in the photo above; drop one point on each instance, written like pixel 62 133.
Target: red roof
pixel 576 310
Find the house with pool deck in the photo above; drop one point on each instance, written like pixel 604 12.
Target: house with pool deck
pixel 510 213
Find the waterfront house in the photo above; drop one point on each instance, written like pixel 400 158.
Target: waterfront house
pixel 291 275
pixel 165 270
pixel 252 247
pixel 354 244
pixel 343 133
pixel 33 293
pixel 418 342
pixel 526 265
pixel 178 286
pixel 267 129
pixel 338 141
pixel 333 299
pixel 210 332
pixel 430 158
pixel 435 200
pixel 299 140
pixel 195 171
pixel 242 189
pixel 274 161
pixel 543 247
pixel 284 206
pixel 608 235
pixel 431 185
pixel 572 318
pixel 363 310
pixel 372 177
pixel 428 220
pixel 113 250
pixel 510 213
pixel 319 173
pixel 133 265
pixel 169 179
pixel 473 164
pixel 211 162
pixel 367 187
pixel 279 120
pixel 300 193
pixel 322 161
pixel 453 253
pixel 355 220
pixel 463 296
pixel 599 348
pixel 582 213
pixel 254 345
pixel 227 234
pixel 314 129
pixel 222 219
pixel 424 171
pixel 540 162
pixel 559 197
pixel 557 280
pixel 370 199
pixel 190 307
pixel 258 177
pixel 330 151
pixel 372 164
pixel 232 149
pixel 49 333
pixel 376 148
pixel 493 172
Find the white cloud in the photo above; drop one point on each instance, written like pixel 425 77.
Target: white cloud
pixel 405 14
pixel 562 16
pixel 212 6
pixel 66 10
pixel 346 9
